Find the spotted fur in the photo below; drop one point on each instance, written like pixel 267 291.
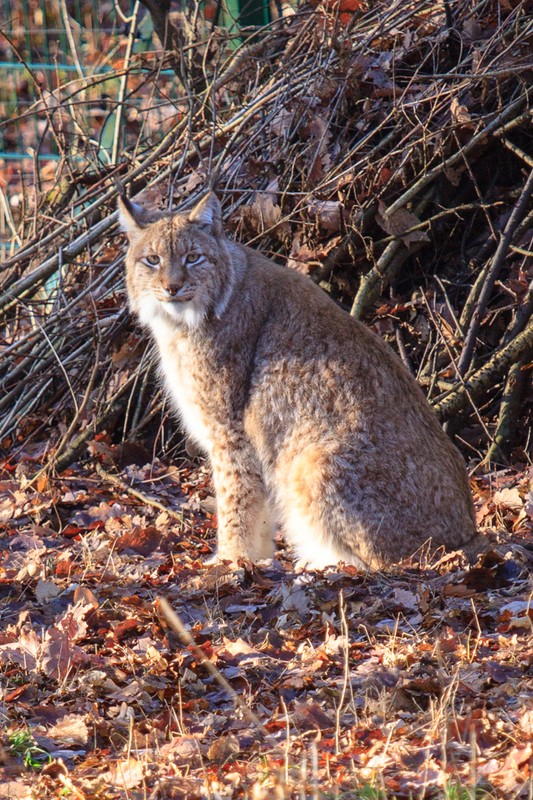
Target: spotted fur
pixel 308 418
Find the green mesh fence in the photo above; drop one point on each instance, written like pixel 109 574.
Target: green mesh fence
pixel 82 84
pixel 73 89
pixel 49 47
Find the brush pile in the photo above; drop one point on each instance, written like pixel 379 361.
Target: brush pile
pixel 382 148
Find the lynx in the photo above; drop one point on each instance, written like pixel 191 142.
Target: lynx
pixel 308 418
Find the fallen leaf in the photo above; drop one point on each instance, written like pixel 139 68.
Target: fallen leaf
pixel 125 774
pixel 140 540
pixel 71 730
pixel 45 591
pixel 16 790
pixel 223 748
pixel 460 112
pixel 183 748
pixel 25 651
pixel 310 716
pixel 327 214
pixel 508 498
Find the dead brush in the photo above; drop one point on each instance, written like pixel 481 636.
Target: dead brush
pixel 360 154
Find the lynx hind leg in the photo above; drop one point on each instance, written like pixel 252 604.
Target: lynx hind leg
pixel 314 517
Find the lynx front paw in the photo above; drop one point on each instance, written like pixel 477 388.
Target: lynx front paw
pixel 233 561
pixel 217 558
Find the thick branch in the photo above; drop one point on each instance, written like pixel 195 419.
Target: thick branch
pixel 485 377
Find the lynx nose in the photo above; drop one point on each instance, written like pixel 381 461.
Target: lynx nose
pixel 172 288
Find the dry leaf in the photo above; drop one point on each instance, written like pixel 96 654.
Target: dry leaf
pixel 327 213
pixel 25 651
pixel 223 748
pixel 71 730
pixel 183 748
pixel 396 224
pixel 59 653
pixel 508 498
pixel 320 159
pixel 237 648
pixel 406 599
pixel 264 211
pixel 459 112
pixel 125 774
pixel 84 596
pixel 194 180
pixel 16 790
pixel 310 716
pixel 45 591
pixel 525 723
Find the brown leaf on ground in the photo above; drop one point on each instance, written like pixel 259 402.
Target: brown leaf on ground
pixel 309 716
pixel 59 653
pixel 125 774
pixel 140 540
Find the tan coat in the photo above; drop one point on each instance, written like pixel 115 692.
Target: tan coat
pixel 309 418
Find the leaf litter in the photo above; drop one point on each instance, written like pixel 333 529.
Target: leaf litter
pixel 409 681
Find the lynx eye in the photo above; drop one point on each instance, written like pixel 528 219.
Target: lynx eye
pixel 152 261
pixel 192 258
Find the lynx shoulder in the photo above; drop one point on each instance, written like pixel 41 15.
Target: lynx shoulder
pixel 308 418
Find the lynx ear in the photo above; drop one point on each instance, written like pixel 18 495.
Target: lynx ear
pixel 132 216
pixel 208 213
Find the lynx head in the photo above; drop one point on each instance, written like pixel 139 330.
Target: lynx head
pixel 178 266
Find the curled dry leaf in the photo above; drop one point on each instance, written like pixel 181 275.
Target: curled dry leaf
pixel 460 112
pixel 399 223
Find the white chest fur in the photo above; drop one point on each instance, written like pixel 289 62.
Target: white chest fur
pixel 180 381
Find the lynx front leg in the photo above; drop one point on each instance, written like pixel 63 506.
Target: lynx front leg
pixel 244 526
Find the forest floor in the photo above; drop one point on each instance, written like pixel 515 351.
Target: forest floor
pixel 410 683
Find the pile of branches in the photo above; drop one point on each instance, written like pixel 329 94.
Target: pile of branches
pixel 385 151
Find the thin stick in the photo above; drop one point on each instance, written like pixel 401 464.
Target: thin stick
pixel 149 501
pixel 124 82
pixel 452 160
pixel 174 621
pixel 499 256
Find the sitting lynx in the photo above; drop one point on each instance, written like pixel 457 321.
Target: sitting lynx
pixel 308 417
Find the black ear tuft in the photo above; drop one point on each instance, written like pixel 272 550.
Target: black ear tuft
pixel 208 214
pixel 119 186
pixel 132 216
